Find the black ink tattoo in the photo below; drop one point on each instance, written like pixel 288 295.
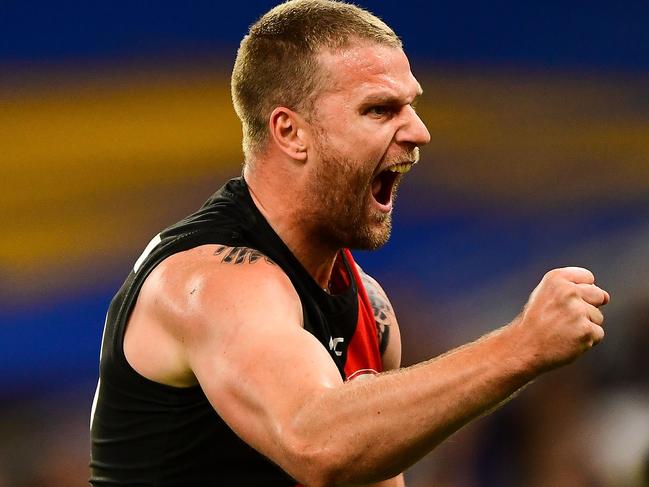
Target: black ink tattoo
pixel 240 255
pixel 382 311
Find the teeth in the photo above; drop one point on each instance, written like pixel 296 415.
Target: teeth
pixel 402 167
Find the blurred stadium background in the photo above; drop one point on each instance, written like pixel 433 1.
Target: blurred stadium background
pixel 115 120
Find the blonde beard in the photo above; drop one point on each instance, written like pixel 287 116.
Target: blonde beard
pixel 339 210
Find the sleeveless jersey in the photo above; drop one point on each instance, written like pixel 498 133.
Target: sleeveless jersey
pixel 146 433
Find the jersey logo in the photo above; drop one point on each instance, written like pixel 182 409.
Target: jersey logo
pixel 333 345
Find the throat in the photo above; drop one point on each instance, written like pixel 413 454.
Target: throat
pixel 340 279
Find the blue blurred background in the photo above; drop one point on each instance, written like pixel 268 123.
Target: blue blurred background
pixel 115 120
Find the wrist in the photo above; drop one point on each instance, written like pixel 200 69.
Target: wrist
pixel 518 355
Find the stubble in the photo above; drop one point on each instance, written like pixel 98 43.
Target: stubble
pixel 340 200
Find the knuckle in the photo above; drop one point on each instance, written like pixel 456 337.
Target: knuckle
pixel 596 335
pixel 571 292
pixel 586 329
pixel 571 303
pixel 552 287
pixel 583 271
pixel 598 317
pixel 553 274
pixel 594 332
pixel 576 308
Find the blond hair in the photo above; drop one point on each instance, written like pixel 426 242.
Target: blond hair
pixel 277 63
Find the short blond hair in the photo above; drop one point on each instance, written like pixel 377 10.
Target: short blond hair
pixel 277 63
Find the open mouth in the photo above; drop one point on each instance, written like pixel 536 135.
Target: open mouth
pixel 384 182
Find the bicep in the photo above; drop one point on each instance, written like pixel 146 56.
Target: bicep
pixel 256 363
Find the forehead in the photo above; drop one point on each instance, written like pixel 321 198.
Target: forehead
pixel 367 69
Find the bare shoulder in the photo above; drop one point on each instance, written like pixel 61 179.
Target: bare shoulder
pixel 212 278
pixel 201 297
pixel 387 328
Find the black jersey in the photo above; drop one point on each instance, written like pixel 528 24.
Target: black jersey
pixel 147 433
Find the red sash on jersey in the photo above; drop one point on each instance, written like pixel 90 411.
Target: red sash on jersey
pixel 363 356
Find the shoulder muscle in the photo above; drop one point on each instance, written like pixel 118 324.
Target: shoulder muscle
pixel 197 293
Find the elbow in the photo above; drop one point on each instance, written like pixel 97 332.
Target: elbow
pixel 324 462
pixel 314 462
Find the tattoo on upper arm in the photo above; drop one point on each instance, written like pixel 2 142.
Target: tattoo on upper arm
pixel 382 311
pixel 240 255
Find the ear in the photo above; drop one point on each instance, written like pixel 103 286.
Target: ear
pixel 288 132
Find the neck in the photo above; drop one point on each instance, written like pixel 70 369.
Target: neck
pixel 278 202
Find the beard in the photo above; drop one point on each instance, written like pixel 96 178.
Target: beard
pixel 341 211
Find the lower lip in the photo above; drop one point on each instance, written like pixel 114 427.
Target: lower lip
pixel 387 208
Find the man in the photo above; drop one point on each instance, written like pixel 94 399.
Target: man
pixel 243 348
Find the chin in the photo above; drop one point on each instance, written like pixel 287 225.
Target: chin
pixel 371 237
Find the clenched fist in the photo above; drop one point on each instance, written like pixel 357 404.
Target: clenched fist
pixel 562 318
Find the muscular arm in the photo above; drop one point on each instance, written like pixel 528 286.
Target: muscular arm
pixel 276 386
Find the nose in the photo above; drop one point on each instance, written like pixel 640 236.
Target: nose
pixel 413 130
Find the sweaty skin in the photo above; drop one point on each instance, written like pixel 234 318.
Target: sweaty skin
pixel 237 329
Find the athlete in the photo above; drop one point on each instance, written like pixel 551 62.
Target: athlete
pixel 247 348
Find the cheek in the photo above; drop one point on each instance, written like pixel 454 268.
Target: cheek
pixel 374 138
pixel 369 141
pixel 356 129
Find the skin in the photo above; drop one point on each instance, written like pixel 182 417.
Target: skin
pixel 196 321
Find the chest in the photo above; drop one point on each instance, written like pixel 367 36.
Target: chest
pixel 348 334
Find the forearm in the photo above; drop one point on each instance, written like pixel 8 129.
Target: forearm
pixel 373 429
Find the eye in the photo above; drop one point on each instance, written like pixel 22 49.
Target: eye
pixel 380 111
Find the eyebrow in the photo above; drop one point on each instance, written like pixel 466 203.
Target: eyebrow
pixel 386 98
